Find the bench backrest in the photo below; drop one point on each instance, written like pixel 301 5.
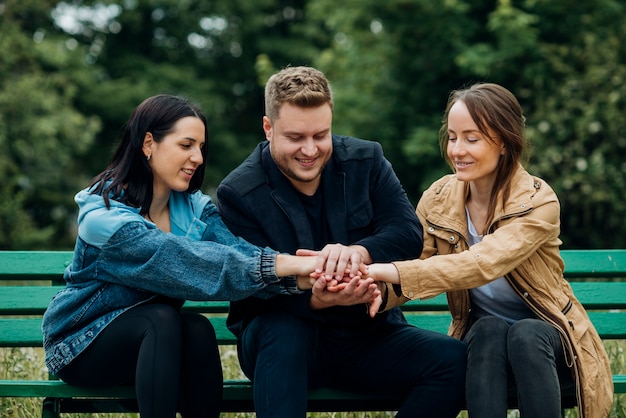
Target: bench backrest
pixel 31 278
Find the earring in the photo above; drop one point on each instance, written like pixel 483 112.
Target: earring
pixel 148 157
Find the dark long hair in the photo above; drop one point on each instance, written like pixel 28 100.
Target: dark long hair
pixel 128 177
pixel 493 108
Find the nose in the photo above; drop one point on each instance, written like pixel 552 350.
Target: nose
pixel 456 147
pixel 196 156
pixel 309 148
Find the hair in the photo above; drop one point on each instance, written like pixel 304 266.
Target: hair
pixel 128 177
pixel 496 112
pixel 299 86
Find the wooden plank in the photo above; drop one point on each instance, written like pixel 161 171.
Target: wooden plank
pixel 57 388
pixel 619 383
pixel 593 295
pixel 26 300
pixel 33 300
pixel 26 332
pixel 594 263
pixel 33 265
pixel 235 390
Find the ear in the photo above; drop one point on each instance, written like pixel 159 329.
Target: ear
pixel 267 128
pixel 502 150
pixel 148 141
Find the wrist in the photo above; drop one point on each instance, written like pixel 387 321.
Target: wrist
pixel 365 255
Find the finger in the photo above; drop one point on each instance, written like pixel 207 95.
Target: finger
pixel 306 252
pixel 338 288
pixel 343 263
pixel 355 263
pixel 319 285
pixel 322 257
pixel 332 260
pixel 363 289
pixel 375 305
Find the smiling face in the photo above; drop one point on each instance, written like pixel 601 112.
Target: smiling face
pixel 301 143
pixel 176 157
pixel 474 154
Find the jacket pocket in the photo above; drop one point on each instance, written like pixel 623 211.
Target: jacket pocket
pixel 361 217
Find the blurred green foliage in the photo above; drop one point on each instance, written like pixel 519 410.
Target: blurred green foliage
pixel 71 73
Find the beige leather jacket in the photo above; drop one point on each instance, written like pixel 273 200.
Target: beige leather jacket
pixel 522 245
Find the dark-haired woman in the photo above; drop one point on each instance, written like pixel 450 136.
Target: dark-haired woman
pixel 148 239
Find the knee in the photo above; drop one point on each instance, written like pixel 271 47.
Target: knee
pixel 490 327
pixel 199 327
pixel 529 337
pixel 161 320
pixel 487 338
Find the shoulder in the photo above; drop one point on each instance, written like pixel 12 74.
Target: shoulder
pixel 534 187
pixel 444 186
pixel 346 148
pixel 97 226
pixel 248 175
pixel 439 195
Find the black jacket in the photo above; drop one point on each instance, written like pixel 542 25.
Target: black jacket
pixel 365 205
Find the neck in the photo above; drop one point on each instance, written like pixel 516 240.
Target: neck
pixel 480 193
pixel 159 212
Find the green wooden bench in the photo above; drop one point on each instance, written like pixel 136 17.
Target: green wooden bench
pixel 30 278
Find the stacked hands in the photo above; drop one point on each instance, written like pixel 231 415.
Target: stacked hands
pixel 342 276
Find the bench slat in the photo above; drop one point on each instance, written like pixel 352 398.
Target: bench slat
pixel 26 332
pixel 234 391
pixel 33 265
pixel 33 300
pixel 594 263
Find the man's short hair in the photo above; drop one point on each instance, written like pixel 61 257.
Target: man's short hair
pixel 300 86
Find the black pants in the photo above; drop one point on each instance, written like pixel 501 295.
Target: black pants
pixel 528 355
pixel 285 356
pixel 171 357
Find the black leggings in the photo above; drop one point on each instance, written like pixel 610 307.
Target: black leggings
pixel 171 357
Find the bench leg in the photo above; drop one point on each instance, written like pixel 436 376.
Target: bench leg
pixel 50 408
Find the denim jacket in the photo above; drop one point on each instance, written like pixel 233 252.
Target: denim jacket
pixel 122 260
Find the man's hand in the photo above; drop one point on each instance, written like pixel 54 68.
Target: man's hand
pixel 353 292
pixel 339 262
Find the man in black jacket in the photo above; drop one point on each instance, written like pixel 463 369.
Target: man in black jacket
pixel 306 188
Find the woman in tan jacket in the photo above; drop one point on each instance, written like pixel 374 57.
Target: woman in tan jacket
pixel 491 241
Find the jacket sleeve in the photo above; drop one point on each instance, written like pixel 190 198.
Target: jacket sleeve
pixel 178 267
pixel 513 242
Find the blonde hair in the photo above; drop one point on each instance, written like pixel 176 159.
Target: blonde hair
pixel 299 86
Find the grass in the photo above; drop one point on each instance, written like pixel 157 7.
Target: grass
pixel 28 363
